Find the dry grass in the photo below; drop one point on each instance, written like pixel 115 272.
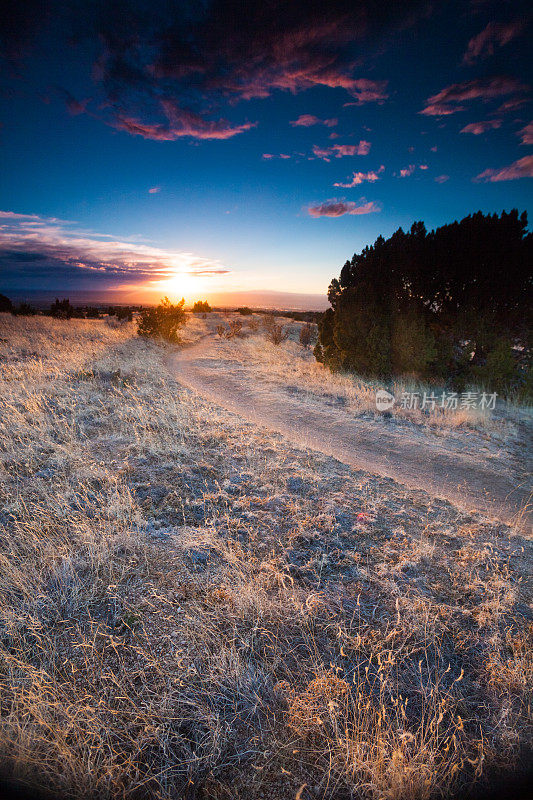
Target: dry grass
pixel 190 608
pixel 294 365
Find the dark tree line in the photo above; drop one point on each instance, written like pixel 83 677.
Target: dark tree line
pixel 454 303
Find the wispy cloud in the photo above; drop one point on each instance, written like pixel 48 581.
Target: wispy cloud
pixel 523 168
pixel 342 150
pixel 526 134
pixel 482 127
pixel 154 190
pixel 307 120
pixel 40 249
pixel 442 178
pixel 361 177
pixel 180 123
pixel 337 208
pixel 407 171
pixel 448 101
pixel 496 34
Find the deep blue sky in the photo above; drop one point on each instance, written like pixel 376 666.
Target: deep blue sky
pixel 101 104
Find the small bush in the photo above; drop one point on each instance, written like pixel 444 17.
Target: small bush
pixel 24 310
pixel 235 328
pixel 306 335
pixel 124 314
pixel 5 303
pixel 277 334
pixel 499 372
pixel 164 321
pixel 201 307
pixel 62 309
pixel 245 311
pixel 269 320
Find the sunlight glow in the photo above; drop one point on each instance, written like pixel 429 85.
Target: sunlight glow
pixel 182 284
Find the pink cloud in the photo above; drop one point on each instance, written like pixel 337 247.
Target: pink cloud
pixel 271 155
pixel 154 190
pixel 405 173
pixel 481 127
pixel 511 105
pixel 523 168
pixel 442 178
pixel 448 100
pixel 527 134
pixel 367 91
pixel 341 150
pixel 337 208
pixel 496 34
pixel 76 107
pixel 434 149
pixel 422 166
pixel 361 177
pixel 181 122
pixel 307 120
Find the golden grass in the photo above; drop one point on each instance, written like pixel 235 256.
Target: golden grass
pixel 179 619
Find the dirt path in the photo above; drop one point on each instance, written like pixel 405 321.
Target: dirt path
pixel 463 478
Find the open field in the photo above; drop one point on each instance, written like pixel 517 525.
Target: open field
pixel 191 606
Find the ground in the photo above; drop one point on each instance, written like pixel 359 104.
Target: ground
pixel 192 606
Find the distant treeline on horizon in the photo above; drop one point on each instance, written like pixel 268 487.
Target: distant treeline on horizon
pixel 63 309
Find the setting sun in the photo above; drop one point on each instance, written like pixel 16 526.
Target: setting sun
pixel 179 285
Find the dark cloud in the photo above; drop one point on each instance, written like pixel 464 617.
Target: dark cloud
pixel 37 250
pixel 177 69
pixel 495 35
pixel 20 22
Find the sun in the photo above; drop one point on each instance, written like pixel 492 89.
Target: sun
pixel 180 285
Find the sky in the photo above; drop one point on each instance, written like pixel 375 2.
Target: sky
pixel 243 151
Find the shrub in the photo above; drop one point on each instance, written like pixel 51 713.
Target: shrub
pixel 245 311
pixel 306 335
pixel 201 307
pixel 62 309
pixel 277 334
pixel 5 303
pixel 269 320
pixel 24 310
pixel 235 328
pixel 164 321
pixel 124 314
pixel 499 372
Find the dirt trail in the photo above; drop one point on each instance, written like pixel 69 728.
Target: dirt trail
pixel 463 478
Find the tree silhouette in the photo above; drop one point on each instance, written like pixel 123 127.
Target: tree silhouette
pixel 417 302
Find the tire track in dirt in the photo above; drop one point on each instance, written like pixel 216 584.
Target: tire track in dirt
pixel 463 479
